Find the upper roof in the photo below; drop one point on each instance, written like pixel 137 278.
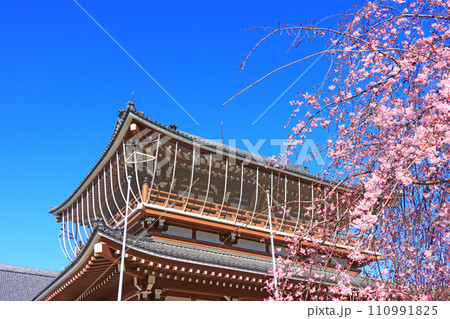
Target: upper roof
pixel 23 283
pixel 130 112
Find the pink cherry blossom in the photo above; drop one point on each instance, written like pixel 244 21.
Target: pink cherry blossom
pixel 388 102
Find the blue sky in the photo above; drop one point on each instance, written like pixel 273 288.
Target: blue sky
pixel 63 80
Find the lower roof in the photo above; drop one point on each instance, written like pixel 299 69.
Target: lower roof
pixel 188 253
pixel 23 283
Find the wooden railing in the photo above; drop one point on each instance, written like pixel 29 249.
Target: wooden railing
pixel 241 216
pixel 119 215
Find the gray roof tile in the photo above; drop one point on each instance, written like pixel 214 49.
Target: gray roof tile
pixel 22 283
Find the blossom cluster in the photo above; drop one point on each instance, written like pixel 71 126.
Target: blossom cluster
pixel 388 100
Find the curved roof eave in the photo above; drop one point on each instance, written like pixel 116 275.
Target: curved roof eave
pixel 226 150
pixel 118 134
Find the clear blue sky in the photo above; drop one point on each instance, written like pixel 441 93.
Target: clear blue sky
pixel 63 80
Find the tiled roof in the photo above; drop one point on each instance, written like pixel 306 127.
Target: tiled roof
pixel 23 283
pixel 202 255
pixel 123 114
pixel 215 257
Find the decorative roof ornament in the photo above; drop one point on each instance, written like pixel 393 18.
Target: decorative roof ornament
pixel 122 114
pixel 130 106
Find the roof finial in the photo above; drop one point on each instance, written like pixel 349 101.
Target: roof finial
pixel 130 105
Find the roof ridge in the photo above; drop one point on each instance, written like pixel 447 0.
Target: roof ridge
pixel 29 273
pixel 28 270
